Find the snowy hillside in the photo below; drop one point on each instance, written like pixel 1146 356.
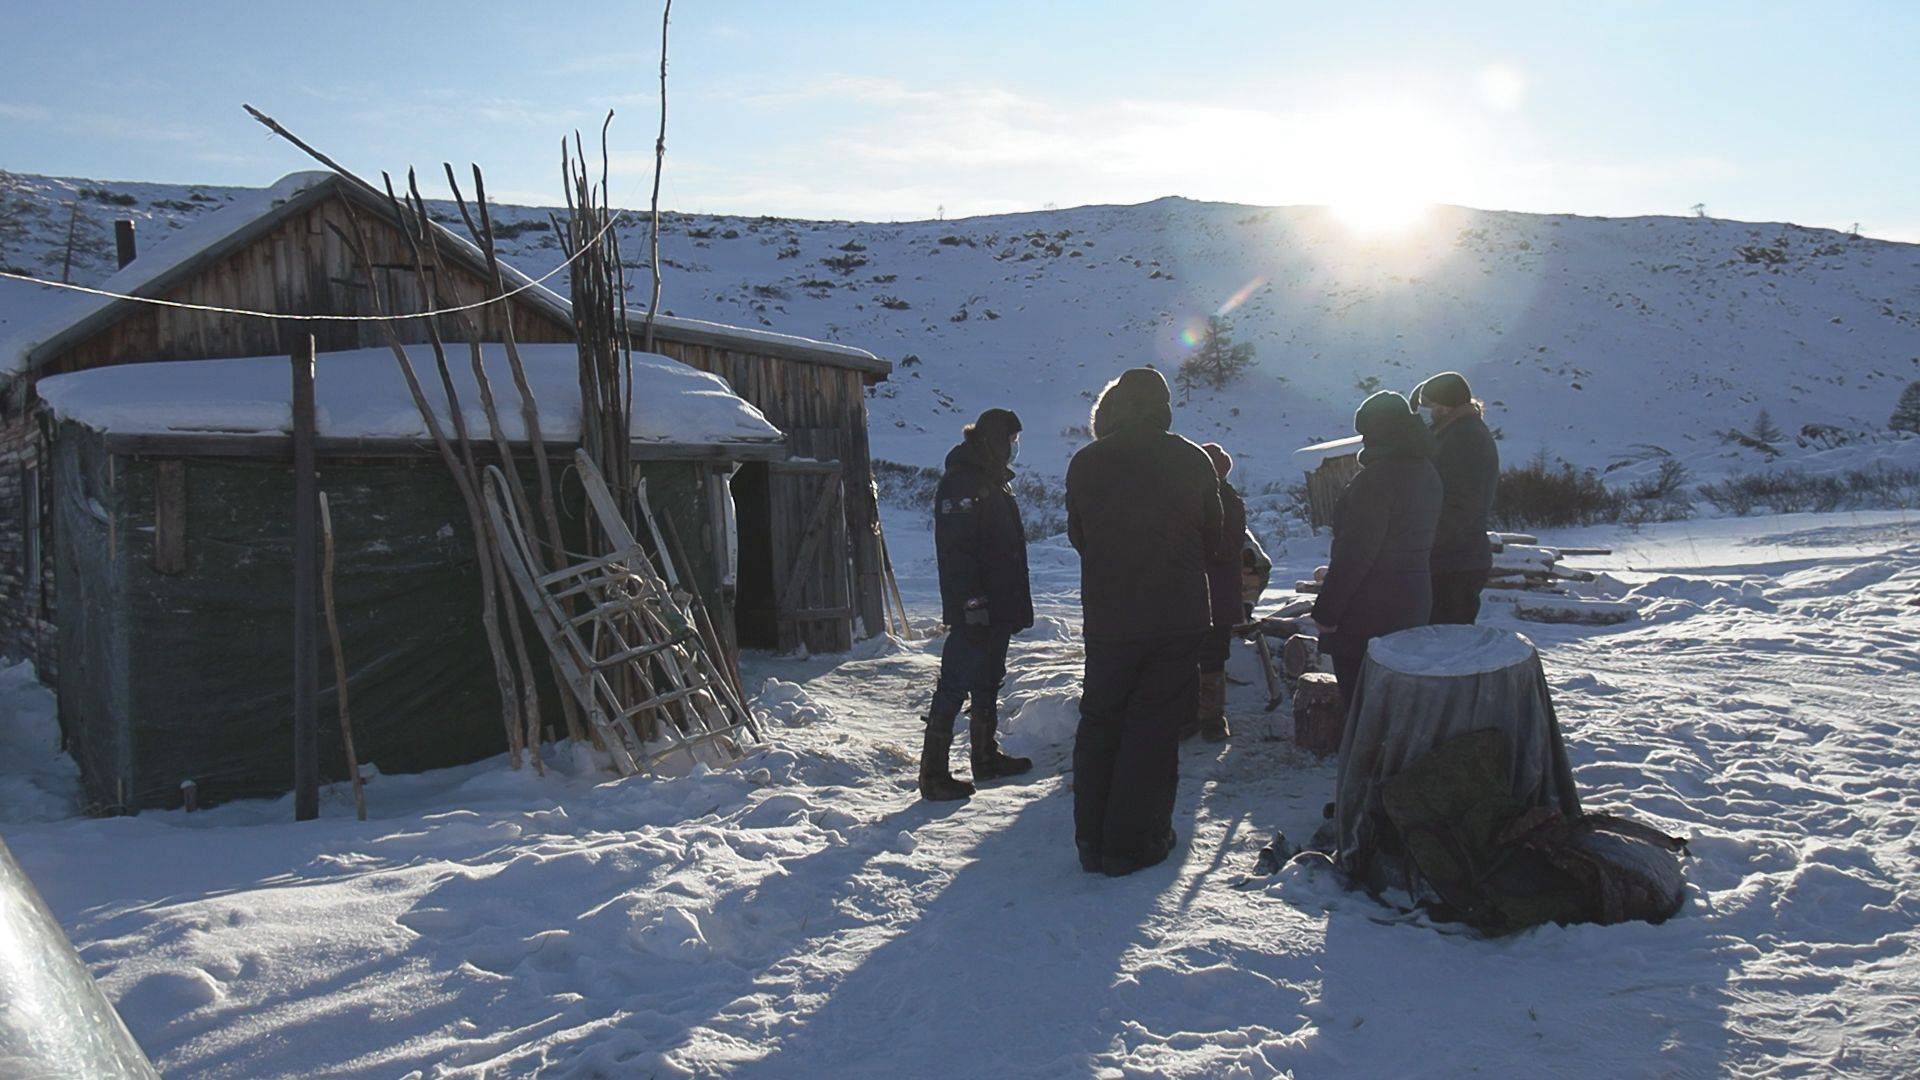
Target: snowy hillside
pixel 1595 338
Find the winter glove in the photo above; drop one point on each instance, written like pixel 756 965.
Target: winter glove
pixel 977 612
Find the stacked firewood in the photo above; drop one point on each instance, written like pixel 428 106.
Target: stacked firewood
pixel 1541 589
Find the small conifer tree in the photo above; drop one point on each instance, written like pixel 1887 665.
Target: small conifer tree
pixel 1906 414
pixel 1217 360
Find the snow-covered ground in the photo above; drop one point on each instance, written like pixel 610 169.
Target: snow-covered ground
pixel 806 915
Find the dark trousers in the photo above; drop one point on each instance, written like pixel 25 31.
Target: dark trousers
pixel 1348 654
pixel 1126 754
pixel 1215 648
pixel 1456 596
pixel 1346 672
pixel 973 661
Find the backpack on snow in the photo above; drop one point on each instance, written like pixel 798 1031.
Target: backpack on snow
pixel 1503 867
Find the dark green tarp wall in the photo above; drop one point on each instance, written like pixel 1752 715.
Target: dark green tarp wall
pixel 168 677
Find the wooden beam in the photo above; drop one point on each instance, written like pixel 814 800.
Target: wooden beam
pixel 306 569
pixel 170 516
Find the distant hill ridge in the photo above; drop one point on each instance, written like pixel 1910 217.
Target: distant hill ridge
pixel 1600 340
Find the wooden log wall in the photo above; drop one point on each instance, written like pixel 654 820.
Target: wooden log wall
pixel 26 575
pixel 823 409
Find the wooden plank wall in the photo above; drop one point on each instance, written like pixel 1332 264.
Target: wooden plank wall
pixel 1325 484
pixel 823 410
pixel 302 267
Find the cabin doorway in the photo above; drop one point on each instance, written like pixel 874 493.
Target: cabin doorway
pixel 795 579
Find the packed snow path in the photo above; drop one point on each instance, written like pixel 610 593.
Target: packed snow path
pixel 806 915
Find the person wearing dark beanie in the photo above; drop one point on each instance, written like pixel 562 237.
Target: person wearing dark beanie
pixel 985 599
pixel 1223 588
pixel 1469 465
pixel 1143 511
pixel 1378 574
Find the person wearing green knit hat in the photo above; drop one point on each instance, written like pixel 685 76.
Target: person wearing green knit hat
pixel 1378 577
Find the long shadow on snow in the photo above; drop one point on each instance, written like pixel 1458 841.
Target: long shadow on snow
pixel 1013 969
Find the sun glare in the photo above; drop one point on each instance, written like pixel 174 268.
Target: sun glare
pixel 1381 165
pixel 1375 215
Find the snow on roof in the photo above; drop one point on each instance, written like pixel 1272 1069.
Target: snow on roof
pixel 1310 457
pixel 68 309
pixel 150 274
pixel 361 393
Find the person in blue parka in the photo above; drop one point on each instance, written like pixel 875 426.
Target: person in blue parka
pixel 985 599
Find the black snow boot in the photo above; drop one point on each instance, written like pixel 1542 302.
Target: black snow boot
pixel 936 782
pixel 989 762
pixel 1155 853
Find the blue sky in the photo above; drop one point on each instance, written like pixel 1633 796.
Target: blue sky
pixel 1770 111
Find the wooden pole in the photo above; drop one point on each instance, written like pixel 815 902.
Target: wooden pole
pixel 306 750
pixel 123 242
pixel 659 165
pixel 66 261
pixel 339 658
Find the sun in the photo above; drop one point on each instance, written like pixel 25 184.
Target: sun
pixel 1380 214
pixel 1380 165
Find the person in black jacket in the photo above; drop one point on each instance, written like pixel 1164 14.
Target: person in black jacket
pixel 1379 576
pixel 1224 570
pixel 984 597
pixel 1143 510
pixel 1469 465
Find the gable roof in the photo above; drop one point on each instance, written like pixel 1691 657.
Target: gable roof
pixel 72 317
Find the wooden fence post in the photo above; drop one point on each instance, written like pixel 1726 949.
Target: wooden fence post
pixel 306 749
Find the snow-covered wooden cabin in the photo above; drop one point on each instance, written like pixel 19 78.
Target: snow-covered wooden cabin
pixel 1329 466
pixel 276 250
pixel 171 505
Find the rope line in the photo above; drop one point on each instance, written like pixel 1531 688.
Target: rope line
pixel 215 309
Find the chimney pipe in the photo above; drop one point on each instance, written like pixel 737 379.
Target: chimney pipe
pixel 123 238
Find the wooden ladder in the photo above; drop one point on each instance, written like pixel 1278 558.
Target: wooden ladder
pixel 625 645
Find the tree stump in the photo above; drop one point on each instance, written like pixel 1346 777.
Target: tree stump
pixel 1420 687
pixel 1319 716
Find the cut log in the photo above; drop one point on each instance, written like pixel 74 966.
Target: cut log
pixel 1569 552
pixel 1512 538
pixel 1319 716
pixel 1573 609
pixel 1308 587
pixel 1300 655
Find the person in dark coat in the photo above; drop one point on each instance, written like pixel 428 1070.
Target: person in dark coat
pixel 1224 570
pixel 1379 578
pixel 984 598
pixel 1143 510
pixel 1469 465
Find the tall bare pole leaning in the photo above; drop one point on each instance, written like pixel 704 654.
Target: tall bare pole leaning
pixel 515 709
pixel 432 287
pixel 523 716
pixel 483 236
pixel 659 166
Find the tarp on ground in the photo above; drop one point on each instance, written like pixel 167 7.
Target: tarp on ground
pixel 1421 687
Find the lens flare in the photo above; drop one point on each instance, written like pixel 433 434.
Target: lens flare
pixel 1240 297
pixel 1194 332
